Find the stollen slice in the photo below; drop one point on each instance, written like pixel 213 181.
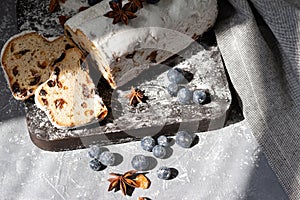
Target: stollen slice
pixel 68 97
pixel 27 60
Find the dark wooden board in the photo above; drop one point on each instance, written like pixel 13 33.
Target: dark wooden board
pixel 162 114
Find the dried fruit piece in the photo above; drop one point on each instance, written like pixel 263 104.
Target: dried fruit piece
pixel 143 198
pixel 62 19
pixel 142 181
pixel 53 5
pixel 59 103
pixel 82 8
pixel 152 56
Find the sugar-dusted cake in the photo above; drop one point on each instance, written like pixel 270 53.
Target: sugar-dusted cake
pixel 68 97
pixel 157 32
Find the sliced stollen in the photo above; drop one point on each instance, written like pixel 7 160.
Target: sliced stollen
pixel 68 97
pixel 158 32
pixel 27 60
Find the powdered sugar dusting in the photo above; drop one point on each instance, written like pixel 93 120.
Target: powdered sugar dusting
pixel 160 110
pixel 41 20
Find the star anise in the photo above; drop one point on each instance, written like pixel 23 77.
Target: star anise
pixel 134 5
pixel 136 96
pixel 53 5
pixel 119 13
pixel 122 181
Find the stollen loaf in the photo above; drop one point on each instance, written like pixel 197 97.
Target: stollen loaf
pixel 158 32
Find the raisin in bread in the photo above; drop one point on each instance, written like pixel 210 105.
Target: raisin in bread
pixel 158 32
pixel 27 60
pixel 68 97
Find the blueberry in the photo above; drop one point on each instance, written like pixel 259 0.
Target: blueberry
pixel 94 151
pixel 173 89
pixel 199 96
pixel 147 143
pixel 164 173
pixel 159 151
pixel 184 96
pixel 163 141
pixel 152 1
pixel 107 158
pixel 140 163
pixel 93 2
pixel 95 164
pixel 184 139
pixel 175 76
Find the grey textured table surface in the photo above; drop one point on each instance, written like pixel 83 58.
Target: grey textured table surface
pixel 225 164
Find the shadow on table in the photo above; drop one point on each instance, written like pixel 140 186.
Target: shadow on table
pixel 263 183
pixel 9 107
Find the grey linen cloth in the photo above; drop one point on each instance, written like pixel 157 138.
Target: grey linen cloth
pixel 260 44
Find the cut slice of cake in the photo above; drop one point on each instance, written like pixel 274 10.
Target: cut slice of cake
pixel 68 97
pixel 158 32
pixel 27 60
